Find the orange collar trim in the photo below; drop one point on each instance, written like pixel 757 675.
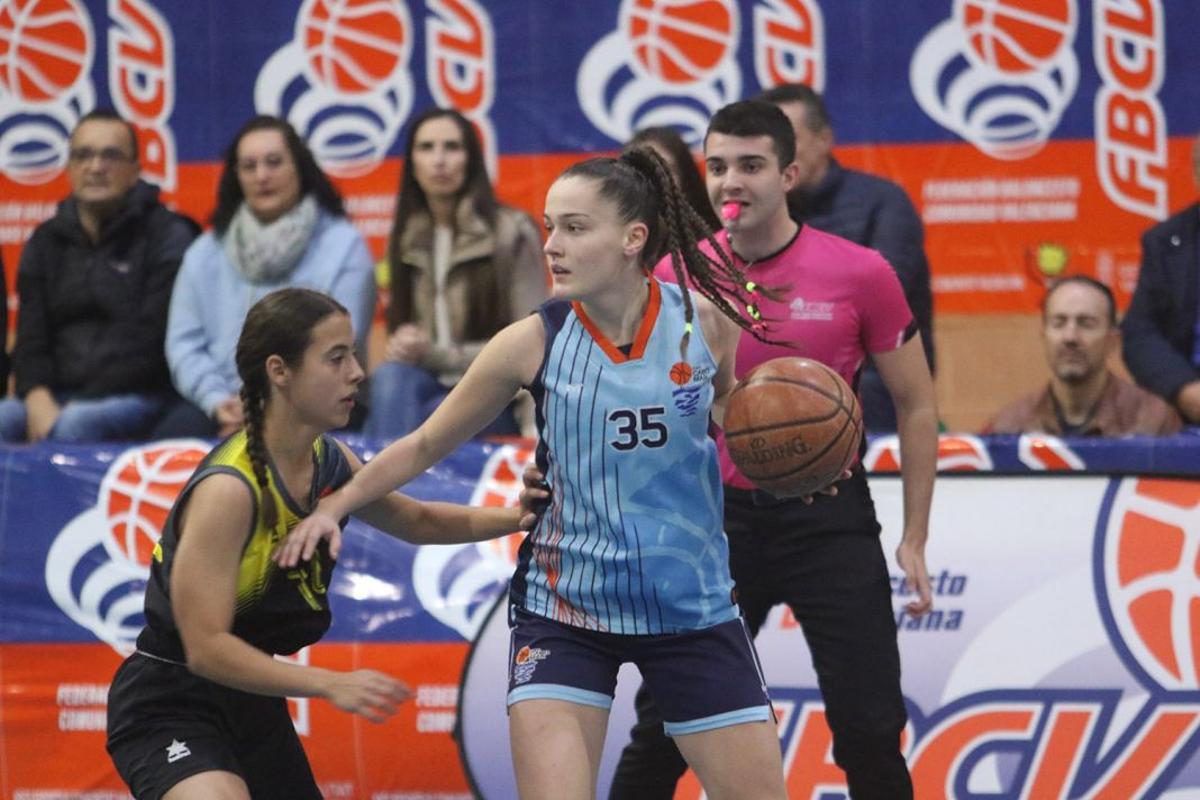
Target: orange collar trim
pixel 643 334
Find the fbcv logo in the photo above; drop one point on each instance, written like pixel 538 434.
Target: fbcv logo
pixel 1148 578
pixel 97 567
pixel 343 81
pixel 46 52
pixel 999 73
pixel 669 62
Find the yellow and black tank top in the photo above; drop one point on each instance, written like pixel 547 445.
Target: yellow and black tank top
pixel 278 610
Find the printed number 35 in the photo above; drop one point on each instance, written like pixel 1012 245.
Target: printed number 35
pixel 638 426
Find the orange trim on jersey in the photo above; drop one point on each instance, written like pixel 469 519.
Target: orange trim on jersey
pixel 643 334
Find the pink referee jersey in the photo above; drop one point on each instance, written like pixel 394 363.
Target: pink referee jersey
pixel 841 303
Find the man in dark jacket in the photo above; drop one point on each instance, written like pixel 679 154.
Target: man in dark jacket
pixel 1161 329
pixel 93 283
pixel 867 210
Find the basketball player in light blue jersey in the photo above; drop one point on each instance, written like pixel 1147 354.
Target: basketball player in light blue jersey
pixel 629 562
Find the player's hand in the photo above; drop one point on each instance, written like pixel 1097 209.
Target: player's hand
pixel 366 692
pixel 911 558
pixel 535 496
pixel 829 491
pixel 300 544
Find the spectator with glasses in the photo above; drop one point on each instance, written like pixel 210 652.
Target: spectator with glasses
pixel 94 282
pixel 279 223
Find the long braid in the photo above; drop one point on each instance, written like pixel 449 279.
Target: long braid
pixel 717 279
pixel 252 403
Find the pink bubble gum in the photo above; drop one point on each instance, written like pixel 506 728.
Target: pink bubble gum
pixel 731 211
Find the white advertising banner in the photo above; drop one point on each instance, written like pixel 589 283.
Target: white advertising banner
pixel 1062 659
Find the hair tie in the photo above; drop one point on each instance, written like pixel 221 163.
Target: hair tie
pixel 687 327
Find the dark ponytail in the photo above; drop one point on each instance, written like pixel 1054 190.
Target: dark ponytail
pixel 639 183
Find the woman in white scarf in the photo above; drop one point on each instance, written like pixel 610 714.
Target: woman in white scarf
pixel 279 222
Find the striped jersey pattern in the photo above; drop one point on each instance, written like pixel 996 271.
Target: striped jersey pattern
pixel 632 541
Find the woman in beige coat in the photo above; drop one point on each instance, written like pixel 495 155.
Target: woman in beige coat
pixel 461 266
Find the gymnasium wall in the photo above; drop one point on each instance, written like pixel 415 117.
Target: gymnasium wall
pixel 1035 136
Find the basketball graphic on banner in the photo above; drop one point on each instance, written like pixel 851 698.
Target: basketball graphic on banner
pixel 137 492
pixel 1016 36
pixel 1151 581
pixel 45 48
pixel 679 41
pixel 352 46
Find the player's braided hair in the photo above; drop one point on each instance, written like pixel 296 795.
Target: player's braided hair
pixel 640 185
pixel 279 324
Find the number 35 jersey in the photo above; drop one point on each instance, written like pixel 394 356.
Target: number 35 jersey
pixel 632 541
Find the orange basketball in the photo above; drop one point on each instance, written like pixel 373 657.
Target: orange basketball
pixel 45 48
pixel 1017 36
pixel 354 46
pixel 792 426
pixel 680 41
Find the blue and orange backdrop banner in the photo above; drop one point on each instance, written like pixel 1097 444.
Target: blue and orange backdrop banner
pixel 1034 136
pixel 1061 660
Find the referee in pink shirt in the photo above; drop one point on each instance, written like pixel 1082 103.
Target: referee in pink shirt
pixel 823 559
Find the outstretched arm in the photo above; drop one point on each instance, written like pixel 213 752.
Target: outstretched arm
pixel 424 522
pixel 204 578
pixel 509 361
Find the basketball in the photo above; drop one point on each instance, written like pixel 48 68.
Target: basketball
pixel 1017 36
pixel 679 41
pixel 354 46
pixel 137 492
pixel 45 48
pixel 792 426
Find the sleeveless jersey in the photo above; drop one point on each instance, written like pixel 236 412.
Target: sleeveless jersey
pixel 277 611
pixel 632 541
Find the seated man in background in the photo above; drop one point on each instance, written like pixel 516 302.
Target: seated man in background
pixel 1084 398
pixel 94 284
pixel 1162 327
pixel 866 209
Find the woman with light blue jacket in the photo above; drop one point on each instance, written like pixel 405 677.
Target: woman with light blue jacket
pixel 279 222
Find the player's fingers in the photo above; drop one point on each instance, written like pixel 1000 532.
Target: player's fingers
pixel 335 543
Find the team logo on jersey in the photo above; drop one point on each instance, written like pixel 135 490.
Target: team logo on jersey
pixel 669 62
pixel 999 73
pixel 97 566
pixel 46 53
pixel 343 81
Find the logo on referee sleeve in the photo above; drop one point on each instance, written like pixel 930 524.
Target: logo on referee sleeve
pixel 525 662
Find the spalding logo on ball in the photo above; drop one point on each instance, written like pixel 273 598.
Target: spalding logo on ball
pixel 792 426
